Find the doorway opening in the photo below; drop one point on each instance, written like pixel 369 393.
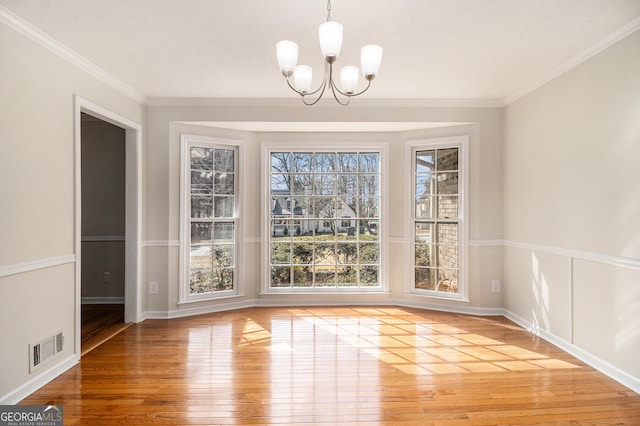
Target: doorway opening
pixel 107 224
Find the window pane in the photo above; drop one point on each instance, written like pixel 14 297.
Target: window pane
pixel 447 207
pixel 347 185
pixel 302 162
pixel 326 276
pixel 325 253
pixel 447 159
pixel 423 185
pixel 423 207
pixel 425 162
pixel 302 276
pixel 324 207
pixel 302 253
pixel 201 233
pixel 281 162
pixel 223 206
pixel 347 276
pixel 447 281
pixel 369 162
pixel 423 255
pixel 326 230
pixel 325 162
pixel 369 253
pixel 370 230
pixel 223 183
pixel 347 253
pixel 223 232
pixel 201 206
pixel 369 185
pixel 281 276
pixel 224 160
pixel 302 184
pixel 201 266
pixel 280 253
pixel 325 184
pixel 447 183
pixel 424 232
pixel 447 233
pixel 201 182
pixel 201 158
pixel 200 281
pixel 223 255
pixel 368 207
pixel 448 257
pixel 369 275
pixel 280 184
pixel 347 162
pixel 424 279
pixel 222 279
pixel 280 228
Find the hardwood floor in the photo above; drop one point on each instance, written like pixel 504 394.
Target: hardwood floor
pixel 338 365
pixel 100 323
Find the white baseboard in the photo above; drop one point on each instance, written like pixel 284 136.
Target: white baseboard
pixel 198 310
pixel 102 300
pixel 448 307
pixel 604 367
pixel 38 381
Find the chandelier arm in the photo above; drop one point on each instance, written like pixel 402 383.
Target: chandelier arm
pixel 334 89
pixel 308 93
pixel 323 87
pixel 356 94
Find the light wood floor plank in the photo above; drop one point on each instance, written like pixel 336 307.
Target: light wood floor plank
pixel 334 365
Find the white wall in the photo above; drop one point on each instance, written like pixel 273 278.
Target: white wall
pixel 572 209
pixel 166 123
pixel 37 272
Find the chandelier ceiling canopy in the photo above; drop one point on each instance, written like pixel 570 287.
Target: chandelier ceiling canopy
pixel 330 35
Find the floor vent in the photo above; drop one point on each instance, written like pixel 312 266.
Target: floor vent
pixel 43 350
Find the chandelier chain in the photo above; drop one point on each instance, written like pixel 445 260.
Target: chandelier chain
pixel 328 10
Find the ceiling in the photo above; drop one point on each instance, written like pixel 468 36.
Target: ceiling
pixel 474 50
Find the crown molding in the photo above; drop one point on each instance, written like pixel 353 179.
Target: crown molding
pixel 23 27
pixel 327 103
pixel 611 39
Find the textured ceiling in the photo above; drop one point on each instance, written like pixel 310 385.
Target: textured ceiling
pixel 433 49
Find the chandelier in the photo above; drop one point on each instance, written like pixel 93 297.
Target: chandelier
pixel 330 33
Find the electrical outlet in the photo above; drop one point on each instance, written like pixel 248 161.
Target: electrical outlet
pixel 153 287
pixel 106 277
pixel 495 286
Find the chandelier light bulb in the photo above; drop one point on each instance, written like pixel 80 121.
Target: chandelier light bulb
pixel 302 78
pixel 330 34
pixel 370 58
pixel 349 78
pixel 287 53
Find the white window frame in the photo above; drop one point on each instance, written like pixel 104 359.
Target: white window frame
pixel 187 141
pixel 462 143
pixel 335 146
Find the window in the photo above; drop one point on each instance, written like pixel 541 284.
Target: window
pixel 210 218
pixel 324 216
pixel 438 243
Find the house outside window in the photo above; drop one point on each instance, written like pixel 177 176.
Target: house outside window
pixel 438 227
pixel 209 218
pixel 326 239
